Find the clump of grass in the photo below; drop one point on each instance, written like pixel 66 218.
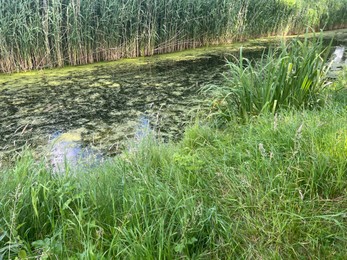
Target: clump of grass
pixel 291 76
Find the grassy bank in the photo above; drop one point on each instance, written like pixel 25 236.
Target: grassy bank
pixel 48 33
pixel 273 186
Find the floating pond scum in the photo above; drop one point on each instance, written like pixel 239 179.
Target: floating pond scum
pixel 66 152
pixel 102 105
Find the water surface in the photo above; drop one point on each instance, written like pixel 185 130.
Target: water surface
pixel 104 105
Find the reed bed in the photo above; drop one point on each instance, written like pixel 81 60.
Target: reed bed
pixel 38 34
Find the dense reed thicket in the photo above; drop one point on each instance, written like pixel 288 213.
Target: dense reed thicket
pixel 47 33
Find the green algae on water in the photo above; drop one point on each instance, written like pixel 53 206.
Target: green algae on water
pixel 108 99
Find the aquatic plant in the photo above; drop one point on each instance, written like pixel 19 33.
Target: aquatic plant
pixel 293 75
pixel 40 34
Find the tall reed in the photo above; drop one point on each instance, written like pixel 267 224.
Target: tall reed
pixel 46 33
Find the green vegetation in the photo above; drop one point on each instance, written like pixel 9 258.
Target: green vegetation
pixel 291 76
pixel 274 187
pixel 47 33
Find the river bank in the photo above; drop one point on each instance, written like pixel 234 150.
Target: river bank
pixel 271 186
pixel 105 102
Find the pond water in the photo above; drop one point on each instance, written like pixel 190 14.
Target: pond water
pixel 102 106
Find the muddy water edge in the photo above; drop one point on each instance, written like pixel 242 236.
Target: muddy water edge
pixel 102 106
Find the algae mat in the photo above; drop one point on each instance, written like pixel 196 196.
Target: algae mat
pixel 105 104
pixel 109 103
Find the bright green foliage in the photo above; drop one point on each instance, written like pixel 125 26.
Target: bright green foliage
pixel 274 188
pixel 341 87
pixel 46 33
pixel 292 76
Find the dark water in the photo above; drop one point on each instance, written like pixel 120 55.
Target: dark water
pixel 103 106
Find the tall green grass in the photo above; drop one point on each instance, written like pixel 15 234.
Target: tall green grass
pixel 39 34
pixel 273 188
pixel 293 75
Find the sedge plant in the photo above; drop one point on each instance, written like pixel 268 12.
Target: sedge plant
pixel 293 75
